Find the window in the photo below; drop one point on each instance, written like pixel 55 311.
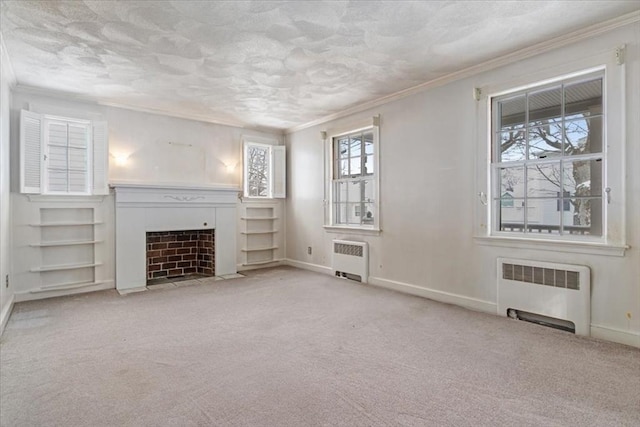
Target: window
pixel 548 159
pixel 354 179
pixel 264 170
pixel 62 156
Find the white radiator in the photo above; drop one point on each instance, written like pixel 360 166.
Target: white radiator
pixel 351 258
pixel 559 291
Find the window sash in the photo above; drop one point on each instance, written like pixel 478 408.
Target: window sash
pixel 67 177
pixel 526 202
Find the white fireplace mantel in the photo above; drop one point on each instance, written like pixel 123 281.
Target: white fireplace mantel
pixel 153 207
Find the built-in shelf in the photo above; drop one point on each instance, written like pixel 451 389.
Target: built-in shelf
pixel 68 243
pixel 63 224
pixel 258 218
pixel 64 267
pixel 259 249
pixel 259 232
pixel 261 262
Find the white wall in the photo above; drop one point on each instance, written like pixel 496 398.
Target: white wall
pixel 6 79
pixel 430 209
pixel 158 150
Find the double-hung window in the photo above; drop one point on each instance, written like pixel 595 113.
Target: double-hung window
pixel 548 159
pixel 354 179
pixel 264 172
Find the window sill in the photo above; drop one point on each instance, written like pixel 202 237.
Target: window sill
pixel 553 245
pixel 352 230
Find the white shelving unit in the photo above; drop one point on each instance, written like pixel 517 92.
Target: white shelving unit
pixel 259 243
pixel 67 255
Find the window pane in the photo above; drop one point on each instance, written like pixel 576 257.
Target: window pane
pixel 356 146
pixel 355 166
pixel 343 148
pixel 77 136
pixel 77 159
pixel 543 216
pixel 586 217
pixel 511 113
pixel 583 178
pixel 512 146
pixel 57 180
pixel 583 136
pixel 511 182
pixel 367 217
pixel 545 105
pixel 57 134
pixel 340 191
pixel 511 218
pixel 341 213
pixel 543 180
pixel 369 191
pixel 368 143
pixel 368 165
pixel 77 181
pixel 545 139
pixel 353 213
pixel 58 157
pixel 343 170
pixel 583 99
pixel 258 174
pixel 355 192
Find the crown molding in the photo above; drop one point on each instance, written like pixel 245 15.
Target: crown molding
pixel 33 90
pixel 4 56
pixel 492 64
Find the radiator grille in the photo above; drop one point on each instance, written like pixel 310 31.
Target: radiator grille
pixel 345 249
pixel 541 276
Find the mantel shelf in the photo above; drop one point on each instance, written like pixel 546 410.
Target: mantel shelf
pixel 64 224
pixel 63 267
pixel 68 243
pixel 258 232
pixel 258 218
pixel 268 248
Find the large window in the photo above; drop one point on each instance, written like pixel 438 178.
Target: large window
pixel 548 159
pixel 354 179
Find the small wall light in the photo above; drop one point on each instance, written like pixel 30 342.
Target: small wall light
pixel 121 159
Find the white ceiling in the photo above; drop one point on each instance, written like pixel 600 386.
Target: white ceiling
pixel 269 64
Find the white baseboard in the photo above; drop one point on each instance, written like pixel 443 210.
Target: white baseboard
pixel 274 263
pixel 436 295
pixel 615 335
pixel 29 296
pixel 6 313
pixel 308 266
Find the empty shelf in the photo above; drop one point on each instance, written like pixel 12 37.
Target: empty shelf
pixel 64 224
pixel 262 262
pixel 68 243
pixel 259 218
pixel 63 267
pixel 259 249
pixel 65 286
pixel 259 232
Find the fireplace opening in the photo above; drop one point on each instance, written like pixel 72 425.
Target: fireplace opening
pixel 176 255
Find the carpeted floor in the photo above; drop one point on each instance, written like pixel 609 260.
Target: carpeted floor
pixel 286 347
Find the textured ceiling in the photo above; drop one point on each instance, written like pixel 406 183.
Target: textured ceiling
pixel 269 64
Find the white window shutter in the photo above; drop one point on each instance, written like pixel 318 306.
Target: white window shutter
pixel 31 152
pixel 100 158
pixel 279 171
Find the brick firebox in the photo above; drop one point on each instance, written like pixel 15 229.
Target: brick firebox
pixel 180 253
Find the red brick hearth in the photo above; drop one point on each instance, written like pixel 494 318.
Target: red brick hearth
pixel 180 253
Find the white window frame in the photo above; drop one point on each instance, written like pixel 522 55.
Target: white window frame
pixel 613 240
pixel 330 170
pixel 276 176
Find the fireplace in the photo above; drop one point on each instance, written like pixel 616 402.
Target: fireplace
pixel 207 212
pixel 178 254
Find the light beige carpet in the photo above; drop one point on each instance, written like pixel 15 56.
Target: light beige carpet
pixel 285 347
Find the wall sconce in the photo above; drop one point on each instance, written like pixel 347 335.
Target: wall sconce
pixel 121 159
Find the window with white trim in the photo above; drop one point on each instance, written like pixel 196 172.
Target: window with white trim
pixel 264 170
pixel 548 159
pixel 354 179
pixel 62 156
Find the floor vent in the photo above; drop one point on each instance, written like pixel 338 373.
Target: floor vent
pixel 351 260
pixel 557 295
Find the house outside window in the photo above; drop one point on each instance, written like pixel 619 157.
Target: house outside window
pixel 547 153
